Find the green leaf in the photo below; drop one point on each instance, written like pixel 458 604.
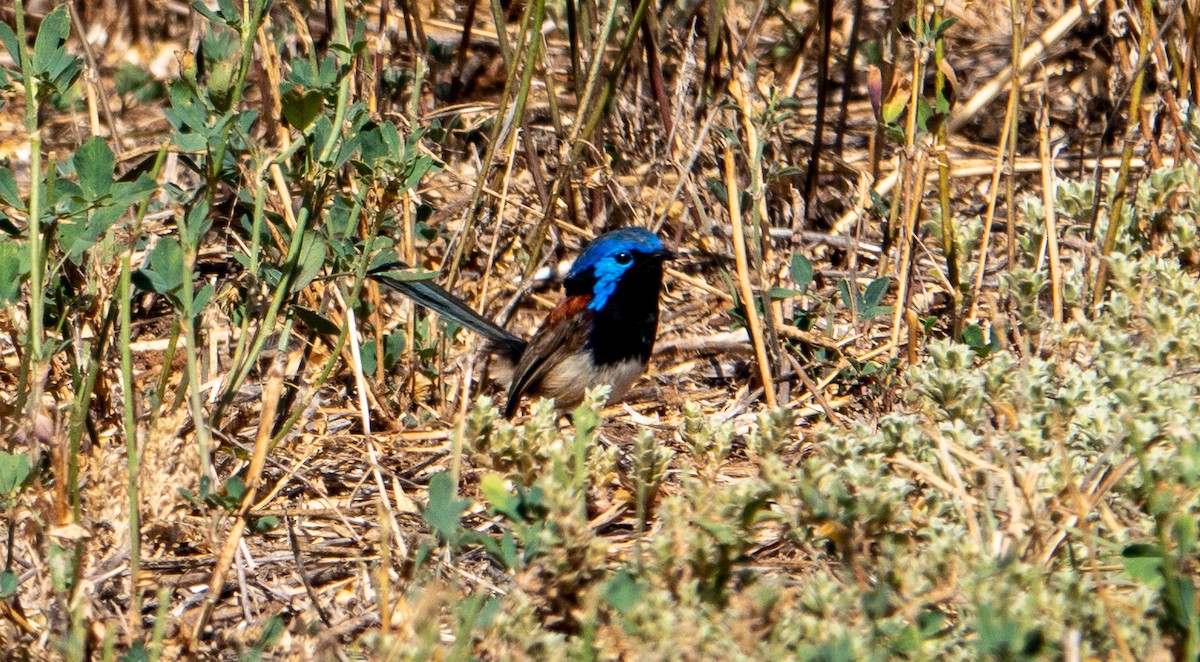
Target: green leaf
pixel 368 355
pixel 407 274
pixel 508 550
pixel 14 266
pixel 424 549
pixel 202 8
pixel 1183 530
pixel 129 77
pixel 445 508
pixel 371 145
pixel 14 470
pixel 201 298
pixel 83 231
pixel 802 272
pixel 272 632
pixel 189 142
pixel 874 294
pixel 940 28
pixel 418 169
pixel 391 139
pixel 894 106
pixel 393 346
pixel 972 335
pixel 717 188
pixel 1143 562
pixel 8 583
pixel 9 192
pixel 312 258
pixel 61 562
pixel 1181 603
pixel 848 298
pixel 132 190
pixel 235 488
pixel 877 602
pixel 70 234
pixel 300 108
pixel 64 77
pixel 188 117
pixel 49 49
pixel 317 322
pixel 198 223
pixel 264 524
pixel 229 12
pixel 164 271
pixel 9 39
pixel 137 653
pixel 981 343
pixel 95 163
pixel 929 621
pixel 220 85
pixel 502 501
pixel 623 592
pixel 924 111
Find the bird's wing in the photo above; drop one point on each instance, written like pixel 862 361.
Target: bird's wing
pixel 436 298
pixel 564 332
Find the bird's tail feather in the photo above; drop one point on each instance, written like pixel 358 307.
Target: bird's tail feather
pixel 436 298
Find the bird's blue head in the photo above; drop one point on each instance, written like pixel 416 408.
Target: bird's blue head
pixel 613 256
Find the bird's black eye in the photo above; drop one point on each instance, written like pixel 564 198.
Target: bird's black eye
pixel 623 258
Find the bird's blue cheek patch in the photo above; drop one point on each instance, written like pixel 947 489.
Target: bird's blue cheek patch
pixel 608 274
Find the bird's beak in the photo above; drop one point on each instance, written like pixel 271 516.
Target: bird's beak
pixel 668 254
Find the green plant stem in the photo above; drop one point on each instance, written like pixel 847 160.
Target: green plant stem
pixel 344 61
pixel 593 74
pixel 125 301
pixel 580 136
pixel 757 213
pixel 247 31
pixel 241 370
pixel 164 377
pixel 502 132
pixel 36 287
pixel 1014 105
pixel 502 38
pixel 162 617
pixel 537 15
pixel 36 283
pixel 282 289
pixel 76 428
pixel 131 445
pixel 1117 207
pixel 949 236
pixel 336 352
pixel 187 303
pixel 260 195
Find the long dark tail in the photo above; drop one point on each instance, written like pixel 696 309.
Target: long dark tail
pixel 436 298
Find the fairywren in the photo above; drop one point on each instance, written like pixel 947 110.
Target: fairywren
pixel 602 332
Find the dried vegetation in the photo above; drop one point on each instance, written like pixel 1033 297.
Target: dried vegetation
pixel 957 419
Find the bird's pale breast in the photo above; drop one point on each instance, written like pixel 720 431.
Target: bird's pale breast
pixel 567 381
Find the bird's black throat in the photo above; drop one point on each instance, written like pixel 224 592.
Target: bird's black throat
pixel 625 327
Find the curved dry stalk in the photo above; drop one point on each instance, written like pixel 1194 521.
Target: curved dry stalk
pixel 912 212
pixel 1048 187
pixel 1117 207
pixel 1006 150
pixel 262 443
pixel 733 193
